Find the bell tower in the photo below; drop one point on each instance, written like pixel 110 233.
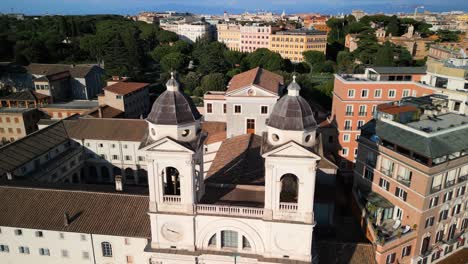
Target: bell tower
pixel 290 162
pixel 174 153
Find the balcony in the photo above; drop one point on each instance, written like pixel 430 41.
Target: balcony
pixel 349 113
pixel 229 210
pixel 449 183
pixel 175 199
pixel 362 113
pixel 436 188
pixel 387 172
pixel 462 178
pixel 404 180
pixel 288 206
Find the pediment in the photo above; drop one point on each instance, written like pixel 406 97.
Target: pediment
pixel 167 145
pixel 292 149
pixel 251 91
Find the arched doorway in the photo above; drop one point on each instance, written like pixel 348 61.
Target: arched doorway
pixel 117 171
pixel 171 181
pixel 129 176
pixel 289 188
pixel 92 173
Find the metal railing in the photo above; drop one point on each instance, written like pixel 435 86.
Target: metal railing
pixel 404 180
pixel 229 210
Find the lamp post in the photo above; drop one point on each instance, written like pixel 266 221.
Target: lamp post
pixel 235 255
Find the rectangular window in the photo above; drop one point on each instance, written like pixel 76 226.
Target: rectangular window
pixel 362 110
pixel 141 158
pixel 429 222
pixel 4 248
pixel 344 152
pixel 360 123
pixel 448 196
pixel 346 137
pixel 209 108
pixel 18 232
pixel 369 174
pixel 404 176
pixel 44 252
pixel 406 93
pixel 351 93
pixel 391 93
pixel 443 215
pixel 439 236
pixel 23 250
pixel 384 184
pixel 237 109
pixel 349 110
pixel 400 193
pixel 224 108
pixel 364 93
pixel 128 158
pixel 115 157
pixel 347 125
pixel 378 93
pixel 85 255
pixel 390 258
pixel 39 234
pixel 64 253
pixel 264 110
pixel 406 251
pixel 83 237
pixel 434 201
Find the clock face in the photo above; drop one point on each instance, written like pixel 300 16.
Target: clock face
pixel 172 231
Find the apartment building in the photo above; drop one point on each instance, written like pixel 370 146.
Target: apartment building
pixel 229 34
pixel 16 123
pixel 355 100
pixel 410 180
pixel 189 31
pixel 291 44
pixel 25 99
pixel 131 98
pixel 255 36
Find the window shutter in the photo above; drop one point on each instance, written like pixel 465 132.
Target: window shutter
pixel 388 186
pixel 397 190
pixel 380 182
pixel 404 196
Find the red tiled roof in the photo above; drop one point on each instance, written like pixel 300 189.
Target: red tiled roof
pixel 262 78
pixel 216 131
pixel 92 212
pixel 395 109
pixel 107 129
pixel 123 88
pixel 107 112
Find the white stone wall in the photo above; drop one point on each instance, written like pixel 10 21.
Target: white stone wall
pixel 79 247
pixel 217 113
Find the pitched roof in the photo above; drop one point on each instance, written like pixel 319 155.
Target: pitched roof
pixel 238 161
pixel 216 131
pixel 107 112
pixel 76 71
pixel 349 253
pixel 123 88
pixel 27 95
pixel 173 108
pixel 17 153
pixel 265 79
pixel 107 129
pixel 91 212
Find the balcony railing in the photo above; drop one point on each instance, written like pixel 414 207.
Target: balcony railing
pixel 288 206
pixel 229 210
pixel 349 113
pixel 171 198
pixel 449 183
pixel 462 178
pixel 436 188
pixel 387 172
pixel 404 180
pixel 362 113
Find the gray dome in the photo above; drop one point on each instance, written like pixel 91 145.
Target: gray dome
pixel 173 108
pixel 292 113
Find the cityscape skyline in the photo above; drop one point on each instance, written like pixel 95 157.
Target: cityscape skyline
pixel 40 7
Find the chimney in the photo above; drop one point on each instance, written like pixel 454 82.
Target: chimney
pixel 118 183
pixel 66 219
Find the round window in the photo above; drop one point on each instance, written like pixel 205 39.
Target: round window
pixel 186 132
pixel 307 138
pixel 153 131
pixel 275 137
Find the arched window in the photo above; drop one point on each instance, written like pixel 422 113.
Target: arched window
pixel 229 239
pixel 106 249
pixel 245 244
pixel 289 188
pixel 212 241
pixel 105 173
pixel 171 181
pixel 92 173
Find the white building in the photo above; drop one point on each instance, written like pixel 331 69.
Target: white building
pixel 189 31
pixel 254 202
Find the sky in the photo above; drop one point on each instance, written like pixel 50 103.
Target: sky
pixel 67 7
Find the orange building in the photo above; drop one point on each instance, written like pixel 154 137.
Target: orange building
pixel 355 98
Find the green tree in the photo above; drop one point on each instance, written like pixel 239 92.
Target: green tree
pixel 384 55
pixel 166 36
pixel 265 58
pixel 115 58
pixel 174 61
pixel 191 81
pixel 345 62
pixel 315 59
pixel 213 82
pixel 393 26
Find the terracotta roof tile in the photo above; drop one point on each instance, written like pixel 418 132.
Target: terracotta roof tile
pixel 123 88
pixel 349 253
pixel 216 131
pixel 92 212
pixel 265 79
pixel 107 129
pixel 76 71
pixel 238 161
